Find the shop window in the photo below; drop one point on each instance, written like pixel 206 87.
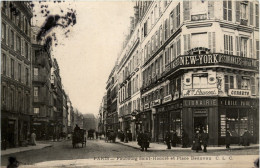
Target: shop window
pixel 239 120
pixel 199 81
pixel 176 122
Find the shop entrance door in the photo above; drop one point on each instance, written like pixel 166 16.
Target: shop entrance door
pixel 200 123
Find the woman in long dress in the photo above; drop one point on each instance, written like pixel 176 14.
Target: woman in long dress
pixel 33 138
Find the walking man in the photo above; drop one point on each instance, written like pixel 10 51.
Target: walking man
pixel 168 140
pixel 228 139
pixel 204 139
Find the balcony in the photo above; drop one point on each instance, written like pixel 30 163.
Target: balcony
pixel 41 79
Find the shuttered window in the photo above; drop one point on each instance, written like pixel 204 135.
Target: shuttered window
pixel 237 11
pixel 256 15
pixel 257 50
pixel 186 43
pixel 166 29
pixel 226 84
pixel 231 85
pixel 253 90
pixel 228 44
pixel 178 21
pixel 227 10
pixel 238 81
pixel 178 47
pixel 251 13
pixel 186 10
pixel 238 45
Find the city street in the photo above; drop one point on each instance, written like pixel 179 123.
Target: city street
pixel 100 153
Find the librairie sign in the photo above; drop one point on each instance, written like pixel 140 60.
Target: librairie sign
pixel 200 92
pixel 239 92
pixel 213 59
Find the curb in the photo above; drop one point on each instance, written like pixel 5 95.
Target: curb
pixel 48 146
pixel 189 149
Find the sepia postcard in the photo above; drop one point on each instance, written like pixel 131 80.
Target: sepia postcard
pixel 134 83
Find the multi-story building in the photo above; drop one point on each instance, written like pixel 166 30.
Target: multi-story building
pixel 112 89
pixel 70 115
pixel 64 113
pixel 102 112
pixel 57 99
pixel 89 122
pixel 129 78
pixel 43 117
pixel 15 72
pixel 200 67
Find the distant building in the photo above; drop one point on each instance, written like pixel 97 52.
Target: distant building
pixel 89 122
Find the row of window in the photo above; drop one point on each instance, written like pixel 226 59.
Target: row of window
pixel 16 16
pixel 15 41
pixel 11 66
pixel 244 46
pixel 15 100
pixel 170 88
pixel 246 12
pixel 163 33
pixel 130 107
pixel 131 88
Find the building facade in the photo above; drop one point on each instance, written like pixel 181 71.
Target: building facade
pixel 15 72
pixel 43 116
pixel 112 90
pixel 199 69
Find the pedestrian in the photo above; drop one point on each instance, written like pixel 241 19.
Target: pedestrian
pixel 96 134
pixel 185 139
pixel 145 141
pixel 204 139
pixel 228 139
pixel 77 128
pixel 33 138
pixel 122 136
pixel 246 138
pixel 167 139
pixel 13 163
pixel 139 139
pixel 196 141
pixel 174 138
pixel 126 136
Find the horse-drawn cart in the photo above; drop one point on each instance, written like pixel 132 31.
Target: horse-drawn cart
pixel 79 136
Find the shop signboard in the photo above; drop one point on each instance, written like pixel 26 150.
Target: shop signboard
pixel 157 102
pixel 213 59
pixel 239 92
pixel 198 17
pixel 200 92
pixel 167 98
pixel 200 102
pixel 146 106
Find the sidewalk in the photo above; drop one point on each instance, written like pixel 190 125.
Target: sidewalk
pixel 40 145
pixel 162 147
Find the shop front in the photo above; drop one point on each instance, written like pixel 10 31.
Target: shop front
pixel 168 117
pixel 238 115
pixel 199 114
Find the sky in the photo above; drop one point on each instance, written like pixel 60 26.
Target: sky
pixel 87 56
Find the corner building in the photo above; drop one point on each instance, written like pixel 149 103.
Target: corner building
pixel 200 68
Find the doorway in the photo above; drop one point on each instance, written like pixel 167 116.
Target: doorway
pixel 200 123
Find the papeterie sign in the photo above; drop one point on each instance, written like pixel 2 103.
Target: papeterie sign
pixel 200 92
pixel 239 92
